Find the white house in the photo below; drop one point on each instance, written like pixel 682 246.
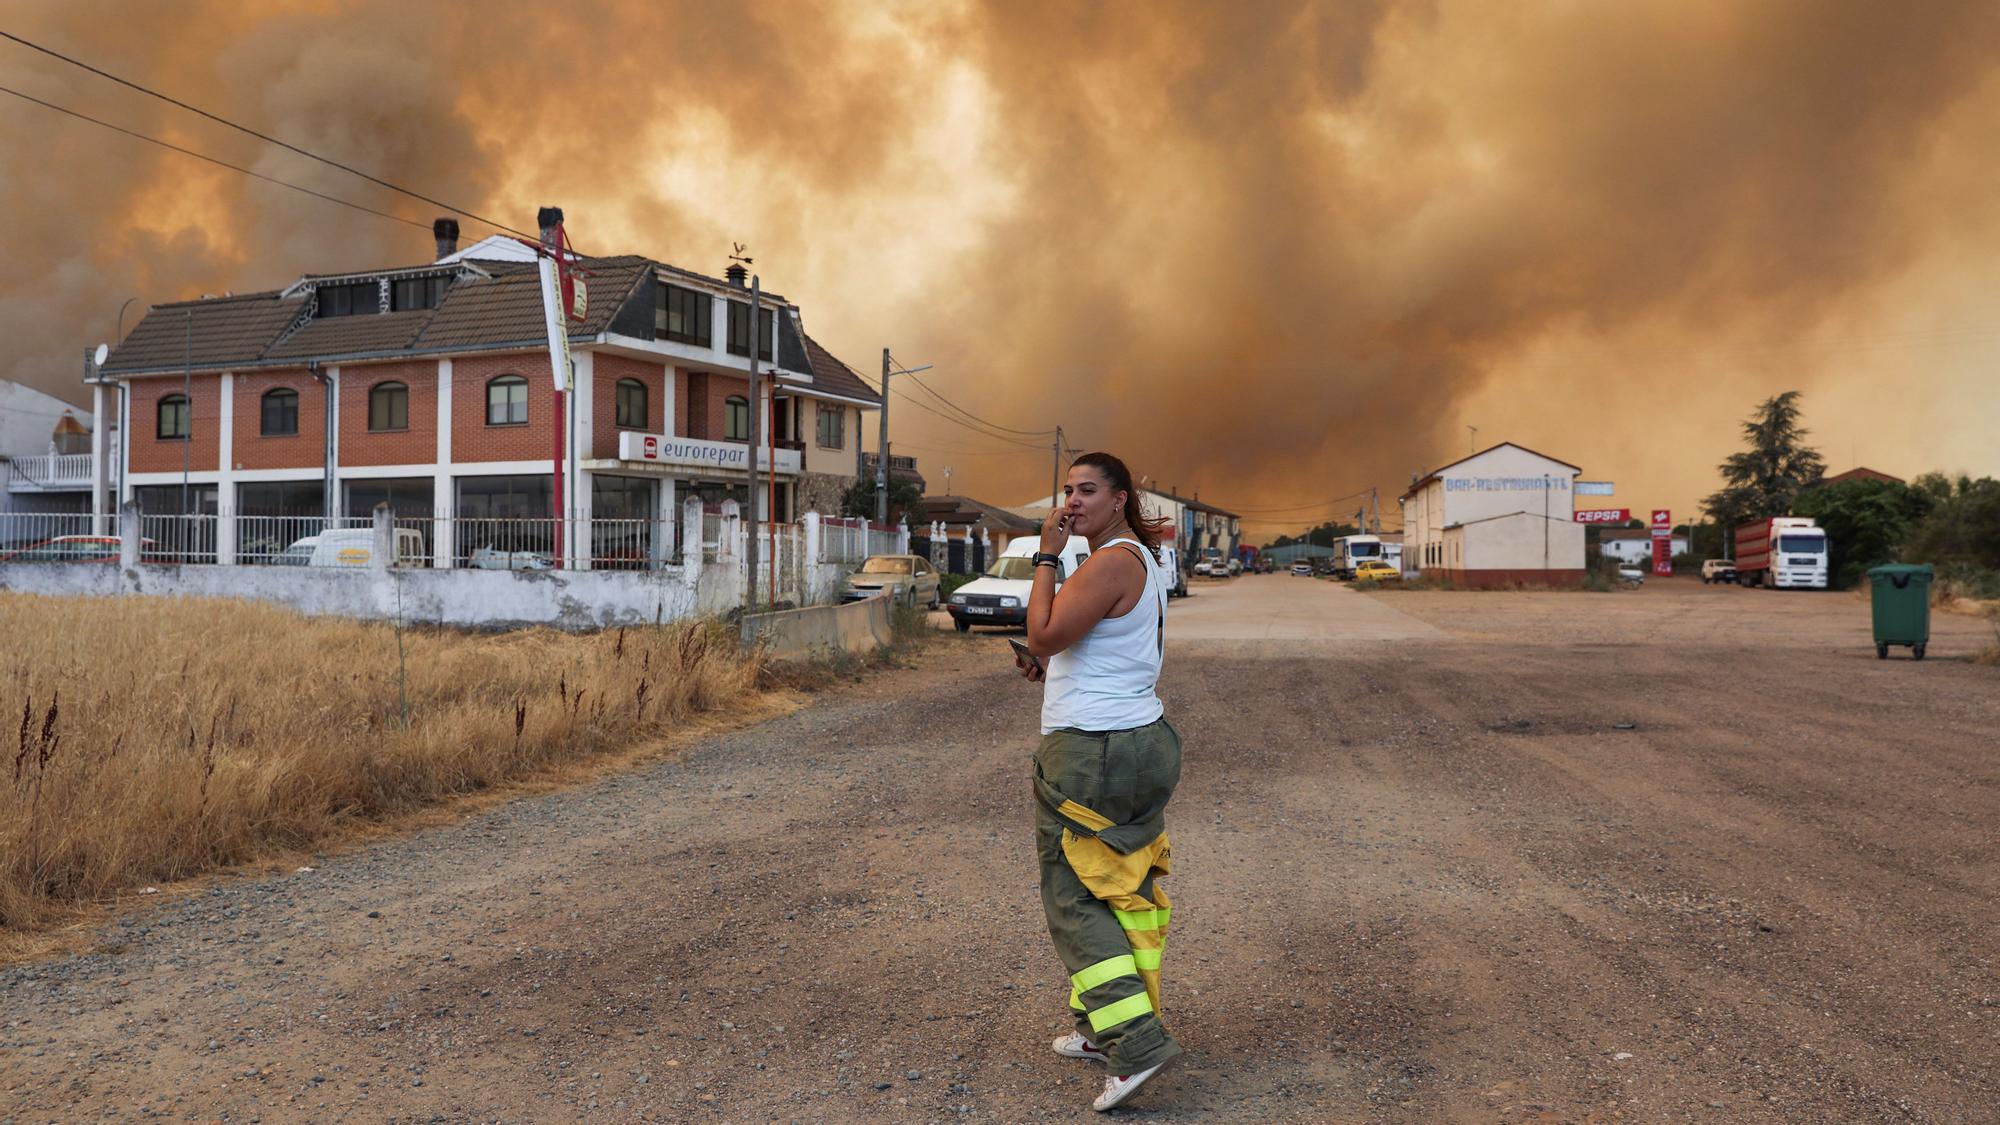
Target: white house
pixel 1503 515
pixel 44 452
pixel 1633 544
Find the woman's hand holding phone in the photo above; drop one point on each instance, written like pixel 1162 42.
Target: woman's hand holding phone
pixel 1031 668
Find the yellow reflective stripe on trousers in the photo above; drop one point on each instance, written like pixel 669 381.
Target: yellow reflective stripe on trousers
pixel 1147 959
pixel 1143 919
pixel 1076 999
pixel 1111 1015
pixel 1110 968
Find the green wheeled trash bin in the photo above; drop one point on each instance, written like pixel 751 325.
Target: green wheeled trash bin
pixel 1900 596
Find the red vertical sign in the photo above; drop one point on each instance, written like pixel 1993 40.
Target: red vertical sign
pixel 1663 542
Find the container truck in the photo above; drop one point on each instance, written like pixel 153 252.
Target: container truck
pixel 1788 552
pixel 1350 551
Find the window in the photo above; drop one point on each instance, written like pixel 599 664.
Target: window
pixel 417 292
pixel 359 299
pixel 681 314
pixel 389 407
pixel 281 413
pixel 736 418
pixel 832 426
pixel 631 404
pixel 739 330
pixel 507 401
pixel 173 418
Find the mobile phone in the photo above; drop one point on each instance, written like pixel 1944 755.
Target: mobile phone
pixel 1021 650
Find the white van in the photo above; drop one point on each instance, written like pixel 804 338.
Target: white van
pixel 350 547
pixel 1000 596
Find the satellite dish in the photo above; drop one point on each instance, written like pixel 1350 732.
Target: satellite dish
pixel 103 353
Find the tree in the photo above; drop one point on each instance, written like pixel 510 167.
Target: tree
pixel 1867 523
pixel 1765 478
pixel 905 502
pixel 1963 525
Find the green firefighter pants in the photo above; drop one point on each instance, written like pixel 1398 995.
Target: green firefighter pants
pixel 1111 941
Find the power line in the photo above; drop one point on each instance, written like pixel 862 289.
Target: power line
pixel 210 159
pixel 969 414
pixel 262 137
pixel 921 405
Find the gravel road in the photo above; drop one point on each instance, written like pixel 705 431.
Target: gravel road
pixel 1423 875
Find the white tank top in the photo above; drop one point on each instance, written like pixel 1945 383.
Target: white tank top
pixel 1105 681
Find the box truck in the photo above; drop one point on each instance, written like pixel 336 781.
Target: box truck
pixel 1788 552
pixel 1350 551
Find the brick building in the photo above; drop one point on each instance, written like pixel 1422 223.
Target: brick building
pixel 436 380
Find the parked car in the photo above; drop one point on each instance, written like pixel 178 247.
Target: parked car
pixel 78 549
pixel 1718 570
pixel 1204 568
pixel 351 547
pixel 492 558
pixel 909 577
pixel 1632 575
pixel 1302 569
pixel 1376 570
pixel 1000 596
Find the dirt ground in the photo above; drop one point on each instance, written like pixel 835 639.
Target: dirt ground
pixel 1424 873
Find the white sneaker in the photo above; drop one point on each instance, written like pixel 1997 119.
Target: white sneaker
pixel 1116 1089
pixel 1075 1046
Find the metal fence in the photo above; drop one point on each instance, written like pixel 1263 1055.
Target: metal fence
pixel 54 537
pixel 849 541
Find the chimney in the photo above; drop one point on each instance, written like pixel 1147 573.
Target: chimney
pixel 736 274
pixel 446 233
pixel 549 218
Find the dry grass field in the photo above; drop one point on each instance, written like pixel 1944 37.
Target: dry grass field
pixel 164 738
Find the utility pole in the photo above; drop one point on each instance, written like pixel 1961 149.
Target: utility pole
pixel 756 429
pixel 1055 473
pixel 882 450
pixel 1375 508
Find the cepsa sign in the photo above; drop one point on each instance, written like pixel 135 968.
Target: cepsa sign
pixel 1663 541
pixel 1603 515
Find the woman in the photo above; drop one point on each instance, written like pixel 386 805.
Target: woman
pixel 1104 771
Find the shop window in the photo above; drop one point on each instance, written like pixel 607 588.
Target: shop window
pixel 281 413
pixel 507 401
pixel 171 418
pixel 736 418
pixel 388 407
pixel 631 404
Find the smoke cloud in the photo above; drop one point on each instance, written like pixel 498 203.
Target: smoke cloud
pixel 1275 252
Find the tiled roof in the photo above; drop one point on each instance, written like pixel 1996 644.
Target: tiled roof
pixel 207 332
pixel 834 377
pixel 476 312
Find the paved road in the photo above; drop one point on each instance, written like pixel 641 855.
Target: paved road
pixel 1426 880
pixel 1282 614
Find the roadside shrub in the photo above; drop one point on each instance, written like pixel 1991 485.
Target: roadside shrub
pixel 948 584
pixel 1367 584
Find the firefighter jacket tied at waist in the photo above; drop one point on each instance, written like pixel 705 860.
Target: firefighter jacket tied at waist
pixel 1138 833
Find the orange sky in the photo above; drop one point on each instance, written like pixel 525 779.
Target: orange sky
pixel 1274 252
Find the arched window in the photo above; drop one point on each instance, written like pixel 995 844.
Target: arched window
pixel 507 401
pixel 281 412
pixel 736 418
pixel 389 406
pixel 631 404
pixel 173 418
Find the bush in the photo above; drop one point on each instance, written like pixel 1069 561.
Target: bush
pixel 948 584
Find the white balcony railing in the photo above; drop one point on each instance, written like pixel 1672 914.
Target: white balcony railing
pixel 50 471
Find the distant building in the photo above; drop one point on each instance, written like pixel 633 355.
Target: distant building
pixel 44 452
pixel 1505 514
pixel 1859 473
pixel 1192 526
pixel 957 512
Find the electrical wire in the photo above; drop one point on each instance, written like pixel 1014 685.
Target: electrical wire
pixel 921 405
pixel 265 137
pixel 211 159
pixel 926 388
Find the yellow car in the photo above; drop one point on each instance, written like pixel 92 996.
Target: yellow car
pixel 1377 570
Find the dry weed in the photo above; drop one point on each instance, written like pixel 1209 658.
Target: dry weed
pixel 161 738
